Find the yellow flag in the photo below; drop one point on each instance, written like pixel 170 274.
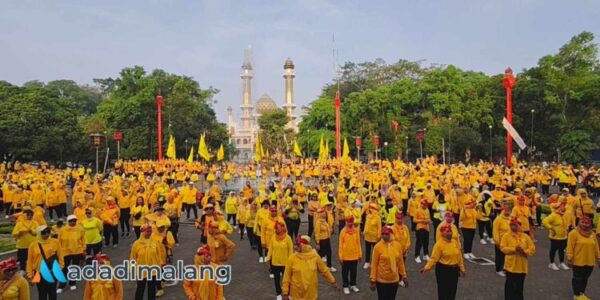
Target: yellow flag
pixel 171 153
pixel 326 154
pixel 267 154
pixel 346 149
pixel 221 153
pixel 297 150
pixel 202 149
pixel 191 156
pixel 321 148
pixel 258 152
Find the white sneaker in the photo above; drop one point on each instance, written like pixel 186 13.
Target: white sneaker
pixel 59 291
pixel 483 242
pixel 553 267
pixel 346 291
pixel 271 276
pixel 466 256
pixel 418 260
pixel 332 269
pixel 501 274
pixel 354 289
pixel 324 259
pixel 115 245
pixel 261 260
pixel 492 242
pixel 366 266
pixel 278 297
pixel 564 266
pixel 472 256
pixel 235 227
pixel 73 287
pixel 426 257
pixel 401 283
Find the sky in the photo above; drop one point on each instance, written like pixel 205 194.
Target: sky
pixel 205 39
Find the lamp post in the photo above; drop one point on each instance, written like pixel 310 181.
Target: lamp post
pixel 450 140
pixel 186 148
pixel 531 147
pixel 384 154
pixel 491 149
pixel 96 139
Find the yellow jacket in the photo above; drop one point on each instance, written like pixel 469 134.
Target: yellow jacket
pixel 72 240
pixel 25 233
pixel 455 233
pixel 468 218
pixel 34 256
pixel 581 250
pixel 231 205
pixel 300 276
pixel 92 226
pixel 372 230
pixel 17 290
pixel 402 236
pixel 138 214
pixel 203 289
pixel 500 227
pixel 522 213
pixel 516 262
pixel 110 216
pixel 322 228
pixel 446 252
pixel 280 249
pixel 387 263
pixel 103 290
pixel 557 226
pixel 147 251
pixel 349 244
pixel 420 218
pixel 221 248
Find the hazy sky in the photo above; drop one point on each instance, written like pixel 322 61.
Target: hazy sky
pixel 82 40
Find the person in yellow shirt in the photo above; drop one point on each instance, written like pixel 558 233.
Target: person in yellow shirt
pixel 72 243
pixel 371 232
pixel 203 289
pixel 220 246
pixel 422 220
pixel 582 254
pixel 53 202
pixel 300 275
pixel 280 249
pixel 138 215
pixel 25 234
pixel 388 266
pixel 110 220
pixel 401 233
pixel 48 249
pixel 585 205
pixel 523 213
pixel 231 209
pixel 124 201
pixel 188 194
pixel 242 216
pixel 261 214
pixel 103 289
pixel 93 234
pixel 349 253
pixel 12 285
pixel 558 228
pixel 323 229
pixel 313 206
pixel 468 218
pixel 518 247
pixel 149 252
pixel 293 212
pixel 449 264
pixel 501 227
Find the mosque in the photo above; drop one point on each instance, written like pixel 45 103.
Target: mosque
pixel 243 134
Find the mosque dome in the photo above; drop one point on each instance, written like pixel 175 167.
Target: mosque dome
pixel 265 104
pixel 289 64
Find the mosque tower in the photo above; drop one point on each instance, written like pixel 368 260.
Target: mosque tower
pixel 246 76
pixel 289 106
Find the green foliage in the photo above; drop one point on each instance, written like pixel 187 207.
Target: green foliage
pixel 575 146
pixel 274 133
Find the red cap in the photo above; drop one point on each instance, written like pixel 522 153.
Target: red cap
pixel 424 202
pixel 101 257
pixel 146 228
pixel 350 219
pixel 273 208
pixel 515 221
pixel 8 264
pixel 279 225
pixel 585 220
pixel 399 215
pixel 449 214
pixel 303 240
pixel 202 251
pixel 387 230
pixel 446 228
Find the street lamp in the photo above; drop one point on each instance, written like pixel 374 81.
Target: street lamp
pixel 186 148
pixel 383 155
pixel 449 140
pixel 531 138
pixel 491 149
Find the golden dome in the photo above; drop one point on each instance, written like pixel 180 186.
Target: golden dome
pixel 265 104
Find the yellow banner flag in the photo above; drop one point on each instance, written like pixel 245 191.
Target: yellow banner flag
pixel 321 148
pixel 221 153
pixel 191 156
pixel 258 152
pixel 202 149
pixel 346 149
pixel 297 150
pixel 171 153
pixel 326 154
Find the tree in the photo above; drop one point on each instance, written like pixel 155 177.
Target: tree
pixel 274 135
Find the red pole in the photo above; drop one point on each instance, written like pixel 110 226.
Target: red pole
pixel 159 102
pixel 338 146
pixel 509 83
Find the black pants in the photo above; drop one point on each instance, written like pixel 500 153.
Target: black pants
pixel 242 227
pixel 447 281
pixel 22 258
pixel 111 230
pixel 188 207
pixel 231 217
pixel 141 288
pixel 468 235
pixel 277 272
pixel 174 229
pixel 293 227
pixel 513 286
pixel 557 246
pixel 310 225
pixel 404 206
pixel 413 225
pixel 422 242
pixel 70 260
pixel 136 230
pixel 325 250
pixel 581 274
pixel 349 272
pixel 251 238
pixel 368 251
pixel 62 209
pixel 46 290
pixel 484 226
pixel 456 218
pixel 387 291
pixel 259 247
pixel 341 225
pixel 124 220
pixel 545 189
pixel 538 216
pixel 54 209
pixel 499 258
pixel 92 250
pixel 436 223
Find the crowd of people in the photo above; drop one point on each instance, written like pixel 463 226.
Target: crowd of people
pixel 374 211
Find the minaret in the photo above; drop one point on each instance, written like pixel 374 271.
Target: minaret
pixel 289 106
pixel 246 76
pixel 229 116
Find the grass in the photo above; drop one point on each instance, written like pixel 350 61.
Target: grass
pixel 6 245
pixel 6 228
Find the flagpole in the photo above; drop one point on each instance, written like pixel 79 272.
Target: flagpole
pixel 159 103
pixel 509 83
pixel 338 103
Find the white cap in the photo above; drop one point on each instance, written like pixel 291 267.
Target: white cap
pixel 42 228
pixel 71 217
